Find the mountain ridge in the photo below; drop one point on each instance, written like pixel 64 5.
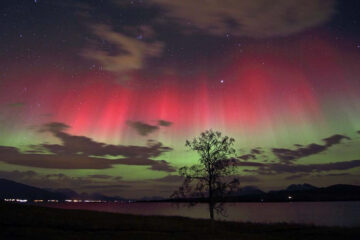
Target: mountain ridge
pixel 294 192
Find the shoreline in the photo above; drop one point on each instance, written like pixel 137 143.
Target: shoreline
pixel 38 222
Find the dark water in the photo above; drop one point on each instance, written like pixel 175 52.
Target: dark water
pixel 317 213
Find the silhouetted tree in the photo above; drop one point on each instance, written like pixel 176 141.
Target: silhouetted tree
pixel 212 177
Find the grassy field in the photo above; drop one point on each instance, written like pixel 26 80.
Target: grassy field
pixel 30 222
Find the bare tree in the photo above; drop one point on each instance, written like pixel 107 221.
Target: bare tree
pixel 212 177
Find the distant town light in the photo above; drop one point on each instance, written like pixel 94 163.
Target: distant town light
pixel 15 200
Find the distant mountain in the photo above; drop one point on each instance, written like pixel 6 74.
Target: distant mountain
pixel 294 192
pixel 300 187
pixel 342 187
pixel 153 198
pixel 248 190
pixel 99 196
pixel 11 189
pixel 307 192
pixel 71 194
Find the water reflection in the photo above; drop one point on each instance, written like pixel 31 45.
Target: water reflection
pixel 317 213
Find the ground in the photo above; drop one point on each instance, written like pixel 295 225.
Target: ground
pixel 33 222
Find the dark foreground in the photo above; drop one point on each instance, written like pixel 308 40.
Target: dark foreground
pixel 32 222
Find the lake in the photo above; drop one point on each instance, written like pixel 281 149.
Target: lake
pixel 317 213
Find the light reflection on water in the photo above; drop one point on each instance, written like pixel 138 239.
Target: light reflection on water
pixel 317 213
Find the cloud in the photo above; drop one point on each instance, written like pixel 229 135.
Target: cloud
pixel 247 156
pixel 80 152
pixel 116 186
pixel 288 155
pixel 141 128
pixel 17 174
pixel 269 169
pixel 164 123
pixel 249 18
pixel 60 180
pixel 162 165
pixel 170 179
pixel 131 54
pixel 334 139
pixel 252 155
pixel 145 129
pixel 54 127
pixel 334 175
pixel 248 179
pixel 248 164
pixel 296 176
pixel 100 176
pixel 257 151
pixel 49 180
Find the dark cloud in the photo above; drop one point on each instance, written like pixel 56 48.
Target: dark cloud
pixel 252 155
pixel 288 155
pixel 164 123
pixel 335 139
pixel 296 176
pixel 141 128
pixel 54 127
pixel 49 180
pixel 101 176
pixel 131 52
pixel 270 169
pixel 114 186
pixel 237 163
pixel 170 179
pixel 257 151
pixel 162 165
pixel 248 179
pixel 59 180
pixel 145 129
pixel 80 152
pixel 16 175
pixel 249 18
pixel 247 156
pixel 334 175
pixel 248 164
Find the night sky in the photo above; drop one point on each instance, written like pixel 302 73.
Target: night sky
pixel 100 95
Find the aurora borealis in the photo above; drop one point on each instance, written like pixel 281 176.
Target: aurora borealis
pixel 100 96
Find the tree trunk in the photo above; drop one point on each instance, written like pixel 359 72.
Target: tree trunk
pixel 211 200
pixel 211 209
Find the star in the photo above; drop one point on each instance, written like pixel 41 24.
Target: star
pixel 222 81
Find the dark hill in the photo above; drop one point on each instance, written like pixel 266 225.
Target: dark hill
pixel 11 189
pixel 300 187
pixel 306 192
